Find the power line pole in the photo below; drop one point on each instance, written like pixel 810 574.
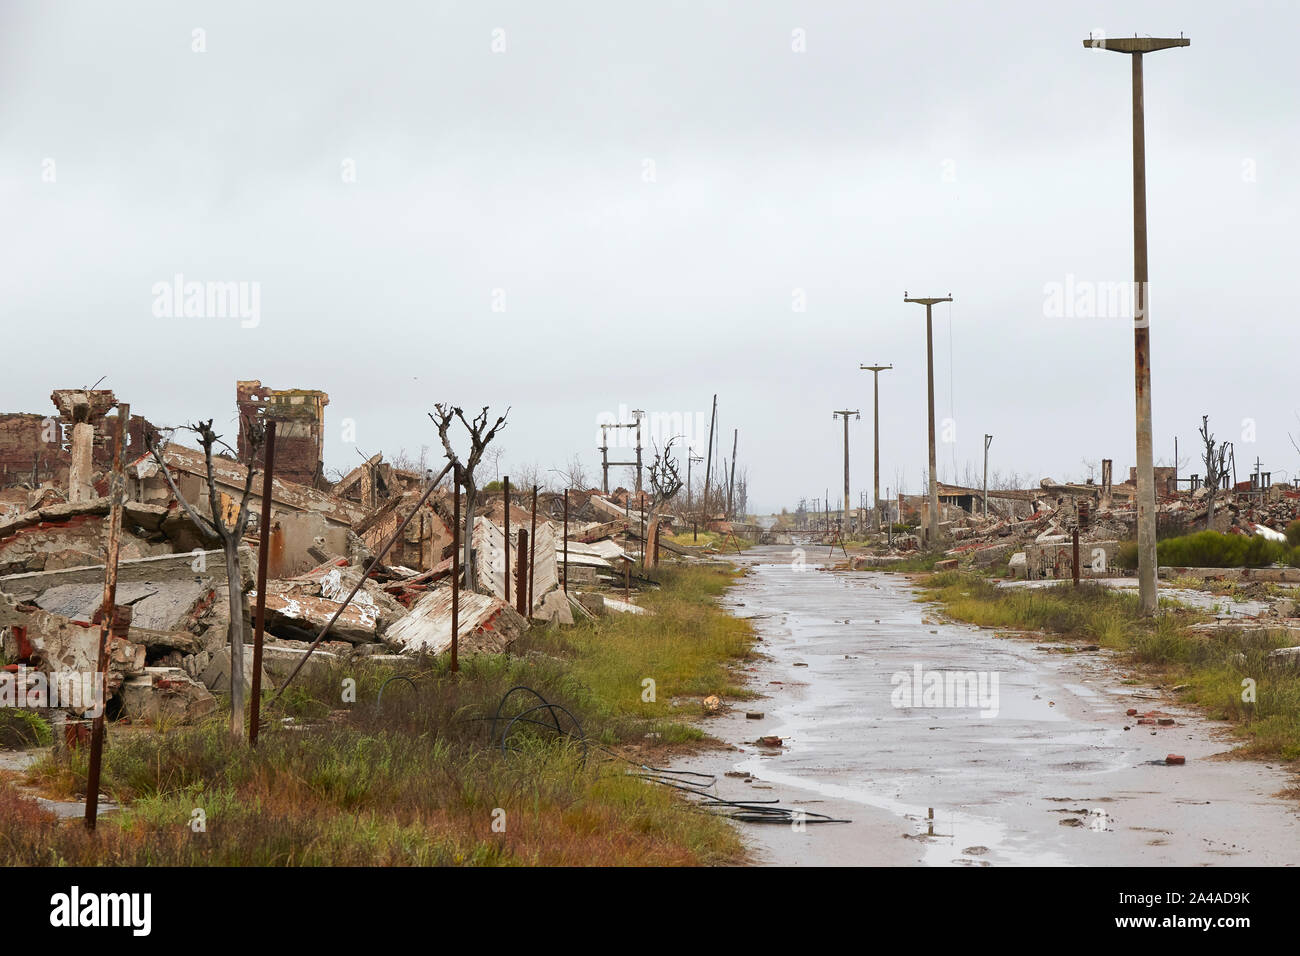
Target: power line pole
pixel 708 458
pixel 638 414
pixel 846 525
pixel 988 440
pixel 932 516
pixel 731 484
pixel 1146 483
pixel 690 457
pixel 876 370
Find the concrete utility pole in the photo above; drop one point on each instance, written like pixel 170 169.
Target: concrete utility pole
pixel 690 457
pixel 875 488
pixel 1146 483
pixel 847 524
pixel 708 459
pixel 932 517
pixel 988 440
pixel 731 484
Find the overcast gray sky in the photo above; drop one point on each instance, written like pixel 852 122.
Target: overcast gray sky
pixel 572 207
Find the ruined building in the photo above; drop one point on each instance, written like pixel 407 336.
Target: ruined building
pixel 36 448
pixel 299 414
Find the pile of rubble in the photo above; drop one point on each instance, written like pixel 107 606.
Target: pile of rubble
pixel 169 649
pixel 1031 531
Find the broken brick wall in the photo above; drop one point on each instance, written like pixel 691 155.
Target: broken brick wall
pixel 299 415
pixel 34 445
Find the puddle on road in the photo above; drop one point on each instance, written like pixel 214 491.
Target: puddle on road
pixel 967 790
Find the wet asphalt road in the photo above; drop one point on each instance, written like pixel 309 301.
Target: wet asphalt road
pixel 1043 772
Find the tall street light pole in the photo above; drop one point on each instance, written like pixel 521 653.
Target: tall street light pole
pixel 846 525
pixel 1146 484
pixel 876 370
pixel 932 517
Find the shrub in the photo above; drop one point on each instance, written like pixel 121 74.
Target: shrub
pixel 21 729
pixel 1126 555
pixel 1211 549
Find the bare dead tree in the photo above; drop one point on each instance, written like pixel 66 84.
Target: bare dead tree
pixel 230 532
pixel 665 483
pixel 529 476
pixel 742 493
pixel 574 474
pixel 480 436
pixel 1214 456
pixel 493 457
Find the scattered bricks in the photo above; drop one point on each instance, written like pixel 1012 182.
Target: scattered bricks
pixel 949 564
pixel 1132 712
pixel 769 741
pixel 1166 721
pixel 753 715
pixel 1174 760
pixel 121 620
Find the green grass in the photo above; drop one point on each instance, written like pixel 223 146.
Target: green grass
pixel 419 779
pixel 1213 549
pixel 685 647
pixel 1212 665
pixel 20 729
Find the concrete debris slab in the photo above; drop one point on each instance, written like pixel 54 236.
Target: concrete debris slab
pixel 166 695
pixel 485 624
pixel 358 624
pixel 216 676
pixel 554 607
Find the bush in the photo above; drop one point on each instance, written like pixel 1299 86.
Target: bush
pixel 1126 555
pixel 1293 534
pixel 1211 549
pixel 21 729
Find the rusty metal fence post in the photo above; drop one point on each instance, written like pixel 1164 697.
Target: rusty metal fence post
pixel 532 554
pixel 455 570
pixel 259 623
pixel 505 577
pixel 521 585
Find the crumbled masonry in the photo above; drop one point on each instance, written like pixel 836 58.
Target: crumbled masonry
pixel 169 651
